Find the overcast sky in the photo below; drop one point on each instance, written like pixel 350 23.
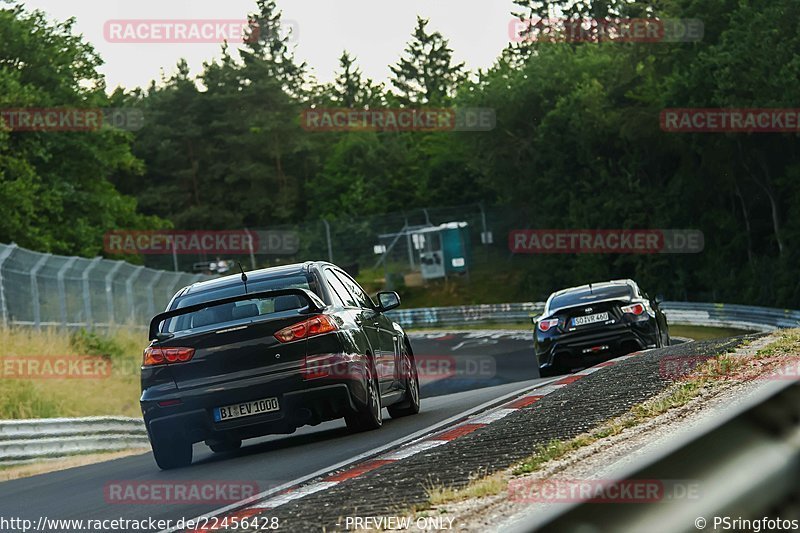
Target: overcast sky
pixel 376 31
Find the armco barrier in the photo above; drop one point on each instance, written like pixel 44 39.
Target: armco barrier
pixel 24 441
pixel 684 313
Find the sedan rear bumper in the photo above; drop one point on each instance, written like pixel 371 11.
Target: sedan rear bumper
pixel 297 408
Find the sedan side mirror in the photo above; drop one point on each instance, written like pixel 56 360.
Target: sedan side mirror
pixel 659 299
pixel 388 300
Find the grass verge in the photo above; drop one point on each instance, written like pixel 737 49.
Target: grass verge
pixel 41 396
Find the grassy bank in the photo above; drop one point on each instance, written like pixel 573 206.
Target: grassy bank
pixel 40 396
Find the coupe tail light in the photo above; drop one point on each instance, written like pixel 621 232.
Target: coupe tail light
pixel 155 355
pixel 308 328
pixel 545 325
pixel 635 309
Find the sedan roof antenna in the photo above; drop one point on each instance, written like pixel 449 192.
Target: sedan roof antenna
pixel 590 285
pixel 244 276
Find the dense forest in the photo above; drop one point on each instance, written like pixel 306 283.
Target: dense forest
pixel 577 143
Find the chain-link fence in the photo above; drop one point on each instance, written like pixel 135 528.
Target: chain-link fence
pixel 38 289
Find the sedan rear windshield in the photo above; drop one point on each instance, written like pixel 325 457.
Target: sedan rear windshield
pixel 584 296
pixel 238 312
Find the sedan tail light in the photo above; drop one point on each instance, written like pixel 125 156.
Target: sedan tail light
pixel 155 355
pixel 545 325
pixel 635 309
pixel 308 328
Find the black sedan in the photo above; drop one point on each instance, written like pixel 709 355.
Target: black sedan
pixel 267 352
pixel 585 325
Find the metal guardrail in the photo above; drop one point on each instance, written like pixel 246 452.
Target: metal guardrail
pixel 466 314
pixel 745 317
pixel 746 463
pixel 23 441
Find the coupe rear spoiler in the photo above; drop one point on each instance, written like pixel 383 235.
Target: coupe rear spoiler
pixel 314 305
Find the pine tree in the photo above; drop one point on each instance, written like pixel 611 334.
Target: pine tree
pixel 350 89
pixel 426 74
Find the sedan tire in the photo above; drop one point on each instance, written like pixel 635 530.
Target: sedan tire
pixel 369 416
pixel 171 452
pixel 410 404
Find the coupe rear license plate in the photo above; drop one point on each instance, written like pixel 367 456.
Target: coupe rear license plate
pixel 246 409
pixel 589 319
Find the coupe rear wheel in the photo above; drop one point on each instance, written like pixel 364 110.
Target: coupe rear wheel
pixel 410 404
pixel 370 415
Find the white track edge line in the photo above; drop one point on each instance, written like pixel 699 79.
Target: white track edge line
pixel 366 455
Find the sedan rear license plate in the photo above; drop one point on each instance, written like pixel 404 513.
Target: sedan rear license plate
pixel 589 319
pixel 239 410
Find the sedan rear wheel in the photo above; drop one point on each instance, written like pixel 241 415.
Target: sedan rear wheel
pixel 370 415
pixel 410 404
pixel 171 451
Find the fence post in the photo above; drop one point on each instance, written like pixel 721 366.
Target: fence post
pixel 62 292
pixel 5 254
pixel 129 290
pixel 252 252
pixel 110 291
pixel 328 236
pixel 172 288
pixel 35 290
pixel 151 303
pixel 87 297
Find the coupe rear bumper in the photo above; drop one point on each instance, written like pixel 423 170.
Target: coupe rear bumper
pixel 582 349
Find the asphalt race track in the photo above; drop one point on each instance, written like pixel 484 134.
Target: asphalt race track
pixel 464 370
